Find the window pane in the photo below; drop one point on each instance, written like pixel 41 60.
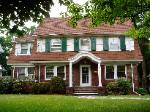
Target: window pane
pixel 114 44
pixel 121 71
pixel 85 44
pixel 24 48
pixel 60 71
pixel 56 45
pixel 21 73
pixel 30 70
pixel 49 72
pixel 109 72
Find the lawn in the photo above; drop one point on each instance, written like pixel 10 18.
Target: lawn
pixel 57 103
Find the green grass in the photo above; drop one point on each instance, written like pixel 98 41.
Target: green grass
pixel 56 103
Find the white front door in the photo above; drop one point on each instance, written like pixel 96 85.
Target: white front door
pixel 85 75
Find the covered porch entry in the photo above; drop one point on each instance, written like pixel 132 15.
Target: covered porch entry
pixel 85 72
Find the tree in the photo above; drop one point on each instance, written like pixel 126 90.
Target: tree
pixel 14 13
pixel 110 11
pixel 6 43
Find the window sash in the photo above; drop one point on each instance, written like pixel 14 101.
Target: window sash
pixel 110 74
pixel 24 48
pixel 121 71
pixel 56 45
pixel 114 44
pixel 49 72
pixel 85 44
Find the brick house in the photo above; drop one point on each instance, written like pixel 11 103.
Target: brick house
pixel 86 58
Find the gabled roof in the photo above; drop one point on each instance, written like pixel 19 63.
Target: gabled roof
pixel 60 26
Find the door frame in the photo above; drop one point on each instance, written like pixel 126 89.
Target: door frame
pixel 90 78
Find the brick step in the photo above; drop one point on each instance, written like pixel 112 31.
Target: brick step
pixel 85 90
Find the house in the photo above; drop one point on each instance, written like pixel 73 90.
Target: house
pixel 86 58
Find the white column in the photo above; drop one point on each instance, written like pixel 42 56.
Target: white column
pixel 39 73
pixel 99 75
pixel 70 74
pixel 115 72
pixel 13 72
pixel 55 71
pixel 132 77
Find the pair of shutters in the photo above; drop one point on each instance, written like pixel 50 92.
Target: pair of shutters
pixel 48 44
pixel 106 43
pixel 93 44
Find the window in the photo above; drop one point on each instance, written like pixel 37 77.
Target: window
pixel 61 71
pixel 85 44
pixel 21 73
pixel 114 44
pixel 49 72
pixel 25 73
pixel 56 45
pixel 109 72
pixel 121 71
pixel 24 48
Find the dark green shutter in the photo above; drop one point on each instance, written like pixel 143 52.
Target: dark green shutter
pixel 122 43
pixel 76 44
pixel 93 44
pixel 47 45
pixel 64 44
pixel 105 44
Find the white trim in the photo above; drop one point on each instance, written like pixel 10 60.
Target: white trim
pixel 132 70
pixel 121 60
pixel 49 61
pixel 13 72
pixel 21 64
pixel 82 55
pixel 70 74
pixel 126 72
pixel 99 75
pixel 39 73
pixel 90 79
pixel 115 72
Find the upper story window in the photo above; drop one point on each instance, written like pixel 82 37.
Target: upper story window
pixel 85 44
pixel 114 44
pixel 23 49
pixel 56 45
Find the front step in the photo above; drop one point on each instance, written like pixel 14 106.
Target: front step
pixel 85 91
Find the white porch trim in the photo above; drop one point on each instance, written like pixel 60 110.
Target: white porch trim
pixel 77 58
pixel 132 68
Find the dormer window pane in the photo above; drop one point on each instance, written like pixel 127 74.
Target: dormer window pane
pixel 114 44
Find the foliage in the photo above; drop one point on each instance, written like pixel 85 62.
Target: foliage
pixel 5 86
pixel 121 86
pixel 14 13
pixel 27 87
pixel 142 91
pixel 17 87
pixel 57 85
pixel 41 88
pixel 110 11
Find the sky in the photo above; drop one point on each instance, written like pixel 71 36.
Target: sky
pixel 57 9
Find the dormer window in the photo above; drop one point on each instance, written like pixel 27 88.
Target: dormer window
pixel 23 49
pixel 56 45
pixel 85 44
pixel 114 44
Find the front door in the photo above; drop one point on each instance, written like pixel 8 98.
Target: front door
pixel 85 75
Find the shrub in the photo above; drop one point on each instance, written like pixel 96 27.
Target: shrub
pixel 44 87
pixel 27 87
pixel 57 85
pixel 121 86
pixel 112 88
pixel 41 88
pixel 141 91
pixel 124 86
pixel 5 86
pixel 17 87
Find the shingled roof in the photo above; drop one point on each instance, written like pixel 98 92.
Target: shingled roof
pixel 61 26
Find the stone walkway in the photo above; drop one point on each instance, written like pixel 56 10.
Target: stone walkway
pixel 105 97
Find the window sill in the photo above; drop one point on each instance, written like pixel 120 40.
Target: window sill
pixel 22 54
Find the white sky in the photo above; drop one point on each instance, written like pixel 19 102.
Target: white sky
pixel 57 9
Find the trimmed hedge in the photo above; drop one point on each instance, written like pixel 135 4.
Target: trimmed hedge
pixel 55 86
